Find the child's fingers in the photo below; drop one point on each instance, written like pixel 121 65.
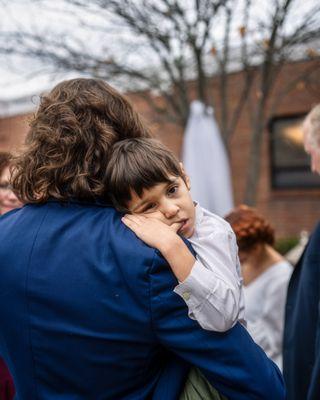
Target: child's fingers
pixel 129 223
pixel 138 219
pixel 175 226
pixel 130 219
pixel 134 226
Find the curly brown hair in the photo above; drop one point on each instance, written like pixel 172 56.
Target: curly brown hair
pixel 71 134
pixel 250 228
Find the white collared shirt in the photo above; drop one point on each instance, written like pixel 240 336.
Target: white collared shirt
pixel 265 299
pixel 213 290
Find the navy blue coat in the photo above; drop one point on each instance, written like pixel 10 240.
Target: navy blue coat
pixel 301 343
pixel 88 312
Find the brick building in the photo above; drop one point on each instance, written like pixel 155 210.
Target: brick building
pixel 287 195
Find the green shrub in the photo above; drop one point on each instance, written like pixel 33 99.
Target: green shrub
pixel 283 245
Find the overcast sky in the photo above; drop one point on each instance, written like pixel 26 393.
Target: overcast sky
pixel 61 18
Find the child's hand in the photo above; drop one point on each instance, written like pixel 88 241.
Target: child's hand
pixel 163 237
pixel 152 231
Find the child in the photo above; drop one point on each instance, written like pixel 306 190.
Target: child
pixel 148 183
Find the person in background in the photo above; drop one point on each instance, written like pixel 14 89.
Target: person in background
pixel 265 276
pixel 294 254
pixel 301 342
pixel 8 200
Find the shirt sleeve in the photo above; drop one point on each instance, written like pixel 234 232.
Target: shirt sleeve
pixel 212 291
pixel 231 361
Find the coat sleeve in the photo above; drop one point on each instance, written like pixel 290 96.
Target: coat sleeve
pixel 231 361
pixel 314 388
pixel 314 260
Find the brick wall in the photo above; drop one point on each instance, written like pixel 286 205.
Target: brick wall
pixel 12 132
pixel 290 211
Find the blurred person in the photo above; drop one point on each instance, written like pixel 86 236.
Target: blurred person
pixel 8 200
pixel 266 274
pixel 92 310
pixel 295 253
pixel 301 342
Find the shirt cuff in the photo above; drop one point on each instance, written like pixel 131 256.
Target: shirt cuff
pixel 196 288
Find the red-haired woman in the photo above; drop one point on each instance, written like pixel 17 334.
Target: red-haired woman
pixel 265 276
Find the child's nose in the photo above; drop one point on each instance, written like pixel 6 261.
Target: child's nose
pixel 170 210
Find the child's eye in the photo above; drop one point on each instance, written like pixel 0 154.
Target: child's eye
pixel 173 190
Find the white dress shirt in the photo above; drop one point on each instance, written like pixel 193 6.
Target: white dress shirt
pixel 213 290
pixel 265 299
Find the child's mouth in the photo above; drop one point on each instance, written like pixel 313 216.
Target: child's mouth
pixel 183 225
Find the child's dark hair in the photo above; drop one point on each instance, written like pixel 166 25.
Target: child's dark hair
pixel 138 164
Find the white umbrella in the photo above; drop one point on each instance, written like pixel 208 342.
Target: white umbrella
pixel 206 162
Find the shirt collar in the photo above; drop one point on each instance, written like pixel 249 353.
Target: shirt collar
pixel 199 214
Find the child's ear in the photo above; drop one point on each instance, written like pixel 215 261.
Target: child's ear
pixel 187 180
pixel 182 168
pixel 185 177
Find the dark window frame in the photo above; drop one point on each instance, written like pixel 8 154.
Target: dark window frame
pixel 274 169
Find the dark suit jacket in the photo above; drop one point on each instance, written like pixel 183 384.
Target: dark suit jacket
pixel 301 344
pixel 90 313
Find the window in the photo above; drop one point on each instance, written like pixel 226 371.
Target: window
pixel 290 164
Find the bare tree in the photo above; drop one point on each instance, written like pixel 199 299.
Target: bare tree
pixel 180 51
pixel 277 49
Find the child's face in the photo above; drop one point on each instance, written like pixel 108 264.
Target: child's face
pixel 169 202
